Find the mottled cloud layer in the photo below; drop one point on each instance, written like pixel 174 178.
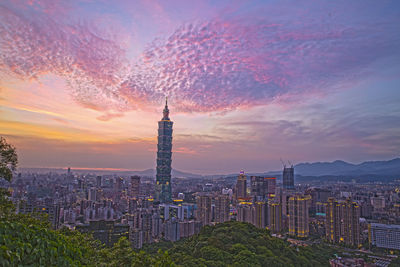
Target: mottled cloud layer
pixel 35 45
pixel 216 65
pixel 222 65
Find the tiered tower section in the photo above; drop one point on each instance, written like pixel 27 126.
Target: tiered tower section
pixel 164 153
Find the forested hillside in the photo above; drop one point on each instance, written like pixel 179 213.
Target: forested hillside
pixel 241 244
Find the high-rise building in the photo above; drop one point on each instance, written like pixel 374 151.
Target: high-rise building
pixel 275 217
pixel 318 198
pixel 98 181
pixel 257 186
pixel 244 213
pixel 171 230
pixel 186 228
pixel 135 186
pixel 298 215
pixel 241 186
pixel 351 222
pixel 332 221
pixel 342 222
pixel 270 185
pixel 222 208
pixel 119 183
pixel 262 187
pixel 260 214
pixel 378 202
pixel 92 194
pixel 203 212
pixel 288 177
pixel 136 237
pixel 164 154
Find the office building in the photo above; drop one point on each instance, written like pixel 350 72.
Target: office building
pixel 164 158
pixel 222 204
pixel 270 186
pixel 298 215
pixel 241 186
pixel 98 181
pixel 203 212
pixel 257 187
pixel 384 235
pixel 92 194
pixel 262 187
pixel 135 186
pixel 119 184
pixel 288 177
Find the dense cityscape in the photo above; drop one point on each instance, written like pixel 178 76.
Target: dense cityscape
pixel 356 216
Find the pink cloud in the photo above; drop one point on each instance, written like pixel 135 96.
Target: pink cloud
pixel 93 66
pixel 211 66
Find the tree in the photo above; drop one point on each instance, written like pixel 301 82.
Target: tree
pixel 8 163
pixel 8 159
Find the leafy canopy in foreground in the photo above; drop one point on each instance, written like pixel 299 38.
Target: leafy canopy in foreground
pixel 241 244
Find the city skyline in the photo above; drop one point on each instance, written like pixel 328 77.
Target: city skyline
pixel 82 83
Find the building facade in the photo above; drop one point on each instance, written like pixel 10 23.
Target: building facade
pixel 342 222
pixel 275 217
pixel 222 208
pixel 135 186
pixel 288 177
pixel 241 186
pixel 262 187
pixel 164 158
pixel 298 215
pixel 203 212
pixel 384 235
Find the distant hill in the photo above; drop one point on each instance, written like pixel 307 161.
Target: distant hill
pixel 148 172
pixel 335 168
pixel 174 173
pixel 338 167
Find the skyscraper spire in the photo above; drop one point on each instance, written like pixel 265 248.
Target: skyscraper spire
pixel 166 111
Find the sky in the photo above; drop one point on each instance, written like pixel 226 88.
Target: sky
pixel 83 83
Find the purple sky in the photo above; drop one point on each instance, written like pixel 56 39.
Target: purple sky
pixel 83 82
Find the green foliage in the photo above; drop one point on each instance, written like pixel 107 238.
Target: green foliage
pixel 8 159
pixel 26 240
pixel 6 206
pixel 241 244
pixel 31 244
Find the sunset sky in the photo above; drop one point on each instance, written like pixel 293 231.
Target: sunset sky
pixel 83 83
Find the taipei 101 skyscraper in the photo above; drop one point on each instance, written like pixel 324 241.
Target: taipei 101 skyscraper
pixel 164 147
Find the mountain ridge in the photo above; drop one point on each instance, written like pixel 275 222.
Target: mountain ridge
pixel 337 167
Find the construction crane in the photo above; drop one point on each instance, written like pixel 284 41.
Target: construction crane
pixel 283 163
